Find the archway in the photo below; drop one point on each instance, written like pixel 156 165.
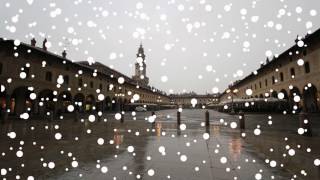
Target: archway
pixel 4 102
pixel 108 102
pixel 20 100
pixel 115 104
pixel 79 101
pixel 121 104
pixel 310 98
pixel 125 103
pixel 274 94
pixel 64 100
pixel 294 92
pixel 46 103
pixel 90 102
pixel 100 105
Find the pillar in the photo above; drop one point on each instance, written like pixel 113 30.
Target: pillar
pixel 20 103
pixel 207 118
pixel 178 118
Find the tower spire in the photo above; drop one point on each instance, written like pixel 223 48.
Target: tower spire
pixel 140 68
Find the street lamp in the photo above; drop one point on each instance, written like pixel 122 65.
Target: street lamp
pixel 232 92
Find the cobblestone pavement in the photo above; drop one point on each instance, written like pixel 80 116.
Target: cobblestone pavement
pixel 137 149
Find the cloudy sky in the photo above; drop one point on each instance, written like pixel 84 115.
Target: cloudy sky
pixel 191 45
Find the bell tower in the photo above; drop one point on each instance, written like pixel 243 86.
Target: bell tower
pixel 140 68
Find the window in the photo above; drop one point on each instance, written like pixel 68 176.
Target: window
pixel 48 76
pixel 273 80
pixel 306 67
pixel 80 82
pixel 100 86
pixel 91 84
pixel 66 79
pixel 281 76
pixel 266 82
pixel 292 72
pixel 260 84
pixel 255 86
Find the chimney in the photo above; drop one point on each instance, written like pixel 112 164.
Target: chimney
pixel 64 54
pixel 44 44
pixel 33 42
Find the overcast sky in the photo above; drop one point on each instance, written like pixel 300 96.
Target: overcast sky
pixel 191 45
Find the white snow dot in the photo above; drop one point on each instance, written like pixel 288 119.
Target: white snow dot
pixel 100 141
pixel 130 149
pixel 92 118
pixel 74 164
pixel 117 116
pixel 58 136
pixel 206 136
pixel 291 152
pixel 51 165
pixel 151 172
pixel 249 92
pixel 223 160
pixel 70 108
pixel 164 78
pixel 104 169
pixel 19 154
pixel 183 158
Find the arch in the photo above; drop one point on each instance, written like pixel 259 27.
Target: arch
pixel 64 100
pixel 294 92
pixel 20 100
pixel 78 99
pixel 274 94
pixel 108 103
pixel 310 98
pixel 121 104
pixel 125 103
pixel 115 104
pixel 45 98
pixel 4 102
pixel 89 102
pixel 284 93
pixel 261 96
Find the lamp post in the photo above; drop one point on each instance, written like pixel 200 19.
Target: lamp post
pixel 232 92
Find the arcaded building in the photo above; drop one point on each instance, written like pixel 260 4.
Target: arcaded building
pixel 293 77
pixel 37 81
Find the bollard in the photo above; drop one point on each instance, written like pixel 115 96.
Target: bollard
pixel 305 125
pixel 122 118
pixel 241 120
pixel 178 118
pixel 154 122
pixel 207 119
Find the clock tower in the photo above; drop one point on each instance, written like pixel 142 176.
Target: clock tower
pixel 140 68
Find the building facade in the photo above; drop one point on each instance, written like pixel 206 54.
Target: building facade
pixel 37 81
pixel 293 77
pixel 189 100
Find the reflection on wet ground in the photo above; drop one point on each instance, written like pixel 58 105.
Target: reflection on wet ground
pixel 137 149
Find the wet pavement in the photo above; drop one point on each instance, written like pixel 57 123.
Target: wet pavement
pixel 138 149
